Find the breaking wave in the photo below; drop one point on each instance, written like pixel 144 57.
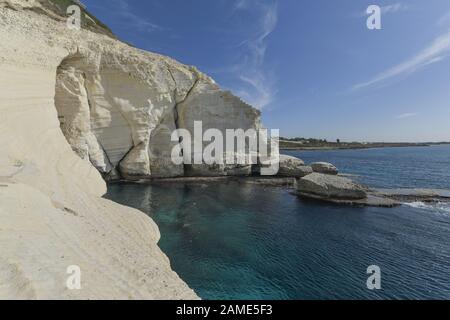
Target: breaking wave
pixel 441 207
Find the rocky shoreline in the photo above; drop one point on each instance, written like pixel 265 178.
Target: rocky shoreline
pixel 320 182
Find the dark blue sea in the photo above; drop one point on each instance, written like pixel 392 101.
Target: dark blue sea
pixel 236 241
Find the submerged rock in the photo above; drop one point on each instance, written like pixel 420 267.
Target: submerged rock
pixel 325 168
pixel 370 201
pixel 413 195
pixel 330 187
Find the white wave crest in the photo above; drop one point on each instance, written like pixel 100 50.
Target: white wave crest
pixel 443 207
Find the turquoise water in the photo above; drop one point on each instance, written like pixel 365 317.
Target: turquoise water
pixel 233 241
pixel 416 167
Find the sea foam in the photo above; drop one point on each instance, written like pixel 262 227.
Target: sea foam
pixel 442 207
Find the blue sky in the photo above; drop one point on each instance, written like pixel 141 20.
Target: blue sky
pixel 312 66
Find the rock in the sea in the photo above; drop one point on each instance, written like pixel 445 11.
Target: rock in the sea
pixel 325 168
pixel 293 167
pixel 324 186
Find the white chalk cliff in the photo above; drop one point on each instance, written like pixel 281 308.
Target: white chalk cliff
pixel 72 102
pixel 118 107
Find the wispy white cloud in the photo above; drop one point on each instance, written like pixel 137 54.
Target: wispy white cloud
pixel 263 90
pixel 435 52
pixel 242 4
pixel 407 115
pixel 251 70
pixel 127 18
pixel 444 20
pixel 393 8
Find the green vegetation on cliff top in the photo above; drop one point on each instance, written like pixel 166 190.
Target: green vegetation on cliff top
pixel 88 20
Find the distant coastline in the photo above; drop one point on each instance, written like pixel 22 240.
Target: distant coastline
pixel 323 145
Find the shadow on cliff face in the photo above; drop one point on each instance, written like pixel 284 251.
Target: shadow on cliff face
pixel 109 117
pixel 121 114
pixel 88 128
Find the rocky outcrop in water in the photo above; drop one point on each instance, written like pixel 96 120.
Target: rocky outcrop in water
pixel 293 167
pixel 340 190
pixel 325 168
pixel 330 187
pixel 415 195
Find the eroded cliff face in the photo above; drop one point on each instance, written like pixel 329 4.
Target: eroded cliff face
pixel 119 112
pixel 52 215
pixel 119 108
pixel 76 106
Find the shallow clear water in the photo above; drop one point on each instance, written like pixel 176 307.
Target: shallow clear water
pixel 234 241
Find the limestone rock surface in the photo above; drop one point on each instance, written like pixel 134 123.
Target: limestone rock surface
pixel 68 99
pixel 119 108
pixel 216 109
pixel 330 187
pixel 325 168
pixel 293 167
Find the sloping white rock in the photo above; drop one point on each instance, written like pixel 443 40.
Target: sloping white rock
pixel 52 215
